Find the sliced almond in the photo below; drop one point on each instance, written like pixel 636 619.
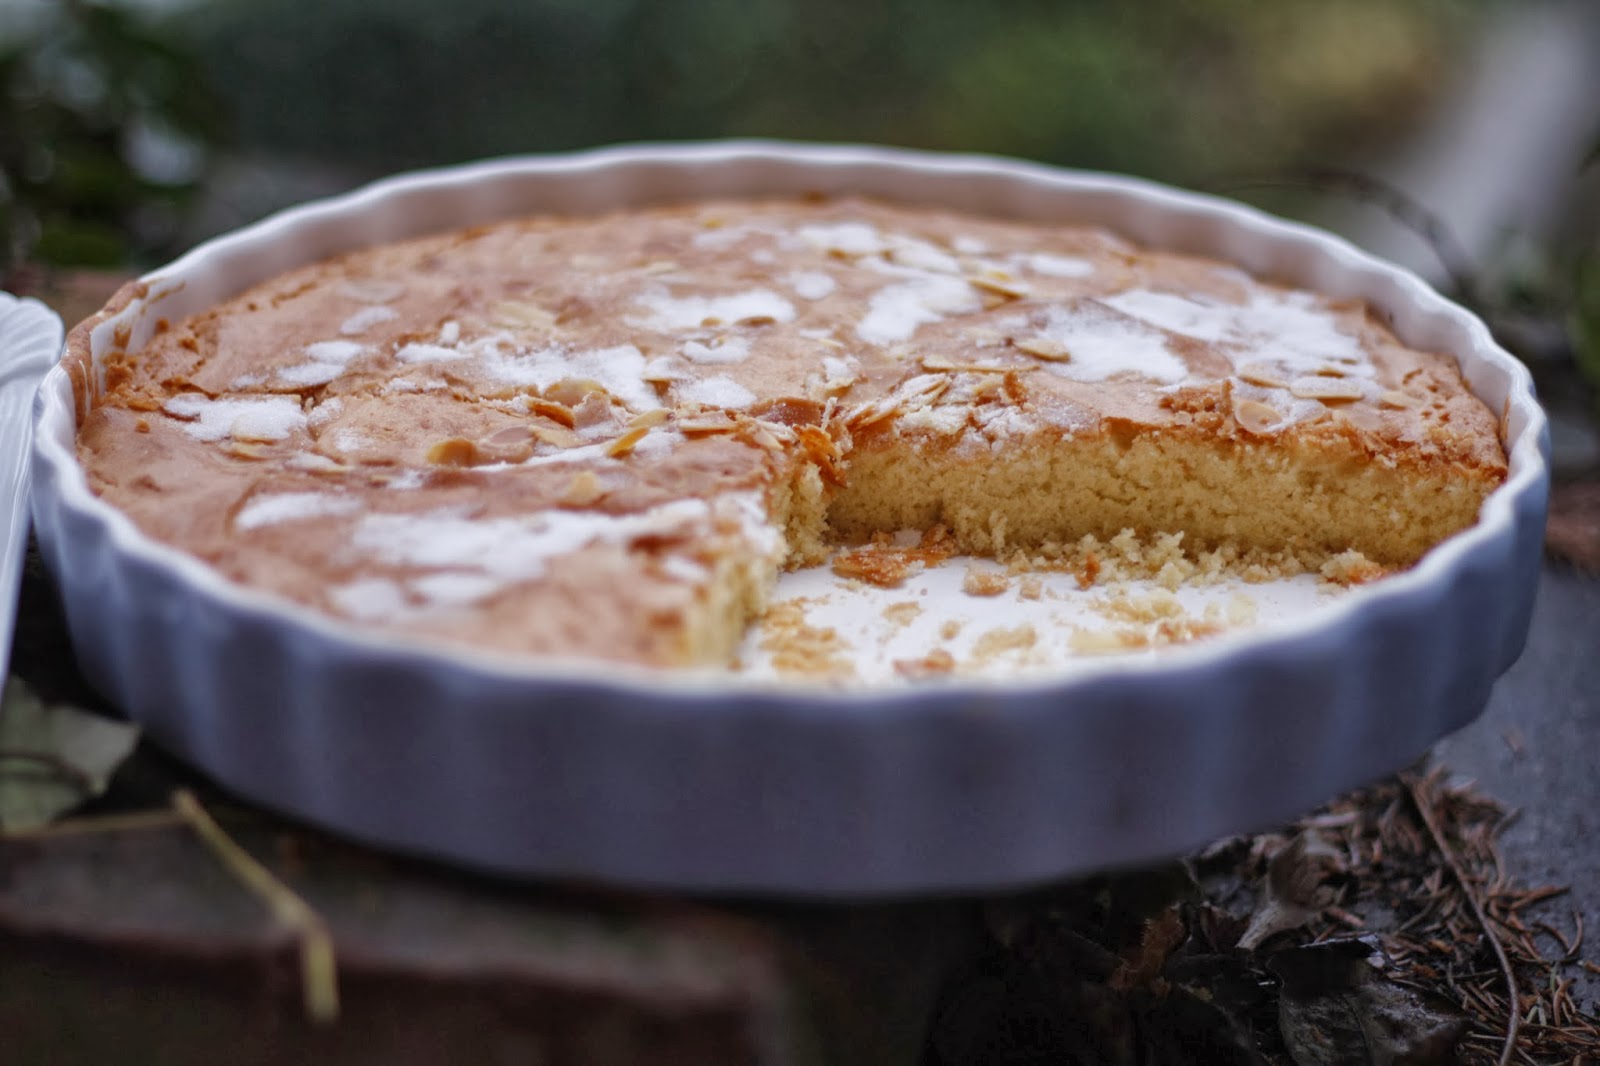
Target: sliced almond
pixel 509 437
pixel 1043 348
pixel 1254 416
pixel 456 451
pixel 648 419
pixel 625 443
pixel 1003 287
pixel 1263 375
pixel 939 362
pixel 559 436
pixel 660 266
pixel 703 425
pixel 1328 390
pixel 573 391
pixel 583 490
pixel 521 314
pixel 1396 398
pixel 555 412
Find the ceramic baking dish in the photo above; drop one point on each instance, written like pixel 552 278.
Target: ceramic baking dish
pixel 722 783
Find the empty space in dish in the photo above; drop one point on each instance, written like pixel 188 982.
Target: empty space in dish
pixel 977 618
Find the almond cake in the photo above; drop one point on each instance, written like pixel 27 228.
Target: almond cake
pixel 604 437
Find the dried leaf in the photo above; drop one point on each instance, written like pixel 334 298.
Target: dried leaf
pixel 1336 1007
pixel 53 757
pixel 1296 889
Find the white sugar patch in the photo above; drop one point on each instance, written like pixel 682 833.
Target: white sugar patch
pixel 328 360
pixel 370 599
pixel 1290 328
pixel 811 284
pixel 310 373
pixel 268 510
pixel 850 238
pixel 620 370
pixel 334 351
pixel 366 318
pixel 669 312
pixel 485 554
pixel 718 391
pixel 918 254
pixel 897 310
pixel 450 333
pixel 372 290
pixel 1058 266
pixel 430 353
pixel 455 590
pixel 1102 343
pixel 255 418
pixel 720 350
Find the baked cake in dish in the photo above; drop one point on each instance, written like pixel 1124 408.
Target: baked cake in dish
pixel 606 436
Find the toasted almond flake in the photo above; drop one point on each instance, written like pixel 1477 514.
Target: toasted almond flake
pixel 648 419
pixel 624 444
pixel 1330 372
pixel 1000 286
pixel 240 450
pixel 555 412
pixel 509 436
pixel 1263 375
pixel 583 490
pixel 1254 416
pixel 1396 398
pixel 514 314
pixel 757 320
pixel 1043 348
pixel 559 436
pixel 660 266
pixel 1333 390
pixel 573 391
pixel 941 362
pixel 456 451
pixel 706 424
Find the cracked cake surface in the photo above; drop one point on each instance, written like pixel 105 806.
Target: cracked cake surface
pixel 605 436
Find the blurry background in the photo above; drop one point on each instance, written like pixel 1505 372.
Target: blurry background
pixel 1458 136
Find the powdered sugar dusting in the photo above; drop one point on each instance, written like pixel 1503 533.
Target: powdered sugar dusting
pixel 718 391
pixel 266 418
pixel 620 370
pixel 267 510
pixel 812 284
pixel 366 318
pixel 1102 343
pixel 1058 266
pixel 897 310
pixel 669 313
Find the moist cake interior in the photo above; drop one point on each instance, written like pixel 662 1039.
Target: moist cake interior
pixel 605 437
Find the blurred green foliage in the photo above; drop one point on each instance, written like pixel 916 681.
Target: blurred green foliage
pixel 103 124
pixel 1176 89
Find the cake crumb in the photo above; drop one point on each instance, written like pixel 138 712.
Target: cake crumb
pixel 981 581
pixel 903 612
pixel 1002 639
pixel 1030 588
pixel 801 649
pixel 950 629
pixel 1350 568
pixel 936 663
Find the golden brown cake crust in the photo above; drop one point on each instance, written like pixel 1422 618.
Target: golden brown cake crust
pixel 604 435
